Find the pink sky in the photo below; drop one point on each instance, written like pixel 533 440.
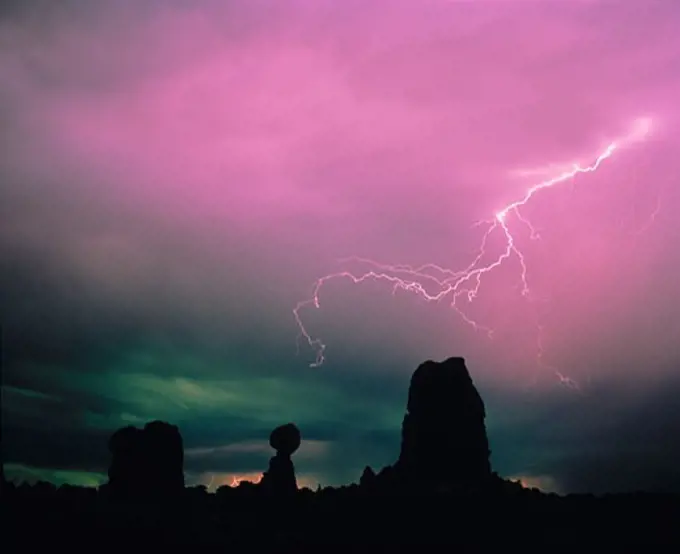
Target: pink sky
pixel 302 135
pixel 232 152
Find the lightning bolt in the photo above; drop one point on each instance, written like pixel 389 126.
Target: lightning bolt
pixel 236 480
pixel 434 283
pixel 650 220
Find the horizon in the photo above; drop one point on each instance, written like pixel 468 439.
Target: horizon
pixel 32 476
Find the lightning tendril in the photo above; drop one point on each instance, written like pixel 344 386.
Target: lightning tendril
pixel 467 282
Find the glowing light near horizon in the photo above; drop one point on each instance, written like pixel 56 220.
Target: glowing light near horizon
pixel 251 478
pixel 234 480
pixel 467 282
pixel 544 483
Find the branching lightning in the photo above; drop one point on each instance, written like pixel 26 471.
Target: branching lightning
pixel 468 281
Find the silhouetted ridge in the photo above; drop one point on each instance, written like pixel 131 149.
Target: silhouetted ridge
pixel 444 441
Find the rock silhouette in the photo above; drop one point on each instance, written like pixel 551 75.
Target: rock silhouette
pixel 368 477
pixel 285 439
pixel 146 462
pixel 280 477
pixel 164 452
pixel 443 436
pixel 3 482
pixel 125 472
pixel 444 441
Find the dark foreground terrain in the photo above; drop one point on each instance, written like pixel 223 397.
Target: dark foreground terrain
pixel 244 519
pixel 440 491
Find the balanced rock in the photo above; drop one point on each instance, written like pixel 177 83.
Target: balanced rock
pixel 280 477
pixel 285 439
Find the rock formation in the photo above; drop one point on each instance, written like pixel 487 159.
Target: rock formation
pixel 125 472
pixel 368 477
pixel 164 452
pixel 444 440
pixel 146 462
pixel 280 477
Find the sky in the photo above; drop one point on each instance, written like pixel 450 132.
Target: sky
pixel 175 176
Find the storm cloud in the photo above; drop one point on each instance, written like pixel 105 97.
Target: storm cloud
pixel 175 176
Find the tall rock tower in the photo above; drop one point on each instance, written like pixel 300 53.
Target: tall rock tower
pixel 444 438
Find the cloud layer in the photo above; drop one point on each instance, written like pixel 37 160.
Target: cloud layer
pixel 174 177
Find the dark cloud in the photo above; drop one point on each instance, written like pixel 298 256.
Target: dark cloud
pixel 632 445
